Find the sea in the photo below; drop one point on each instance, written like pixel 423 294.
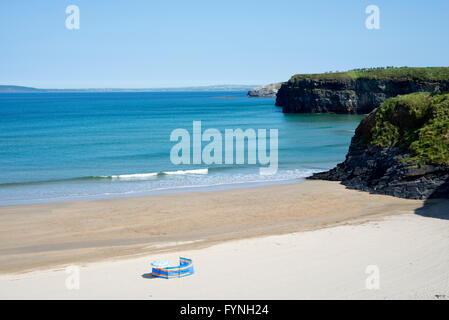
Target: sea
pixel 59 146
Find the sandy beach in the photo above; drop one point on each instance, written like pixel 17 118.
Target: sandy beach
pixel 318 236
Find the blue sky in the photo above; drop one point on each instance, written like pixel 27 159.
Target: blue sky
pixel 145 43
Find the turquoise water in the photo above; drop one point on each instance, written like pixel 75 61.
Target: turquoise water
pixel 65 146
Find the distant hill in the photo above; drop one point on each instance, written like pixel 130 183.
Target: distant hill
pixel 226 87
pixel 17 89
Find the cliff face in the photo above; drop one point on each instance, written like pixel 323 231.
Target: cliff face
pixel 357 91
pixel 400 149
pixel 380 170
pixel 360 95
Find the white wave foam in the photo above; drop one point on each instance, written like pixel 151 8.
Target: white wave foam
pixel 136 176
pixel 145 176
pixel 195 171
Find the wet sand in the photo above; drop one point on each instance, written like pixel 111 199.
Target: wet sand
pixel 43 236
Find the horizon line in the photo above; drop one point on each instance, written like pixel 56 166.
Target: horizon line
pixel 212 86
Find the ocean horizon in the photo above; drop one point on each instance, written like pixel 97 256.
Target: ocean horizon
pixel 91 145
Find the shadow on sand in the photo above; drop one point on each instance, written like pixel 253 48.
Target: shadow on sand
pixel 148 276
pixel 437 206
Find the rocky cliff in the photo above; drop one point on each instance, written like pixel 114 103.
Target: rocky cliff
pixel 356 91
pixel 400 149
pixel 268 91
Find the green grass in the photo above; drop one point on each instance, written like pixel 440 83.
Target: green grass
pixel 417 123
pixel 389 73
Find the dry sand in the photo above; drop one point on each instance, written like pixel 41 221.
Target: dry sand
pixel 410 252
pixel 410 249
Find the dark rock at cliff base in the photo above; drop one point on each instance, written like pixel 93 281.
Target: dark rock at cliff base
pixel 380 170
pixel 400 149
pixel 356 91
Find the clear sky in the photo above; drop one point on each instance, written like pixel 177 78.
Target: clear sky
pixel 145 43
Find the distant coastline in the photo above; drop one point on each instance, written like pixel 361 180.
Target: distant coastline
pixel 225 87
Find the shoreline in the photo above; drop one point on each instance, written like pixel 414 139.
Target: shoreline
pixel 42 236
pixel 155 192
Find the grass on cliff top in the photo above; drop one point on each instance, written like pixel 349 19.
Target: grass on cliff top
pixel 389 73
pixel 417 122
